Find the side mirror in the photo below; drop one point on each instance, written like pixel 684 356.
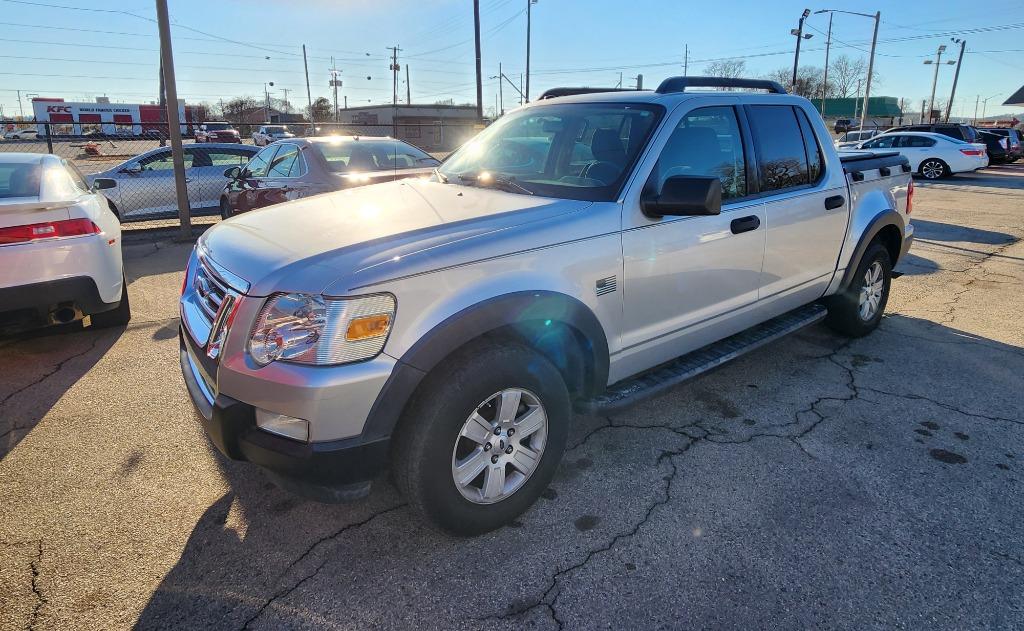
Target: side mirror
pixel 684 195
pixel 102 183
pixel 233 173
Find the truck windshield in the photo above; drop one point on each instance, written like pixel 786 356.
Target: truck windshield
pixel 573 150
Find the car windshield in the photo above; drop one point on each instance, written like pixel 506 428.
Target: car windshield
pixel 18 179
pixel 571 151
pixel 217 126
pixel 276 130
pixel 355 156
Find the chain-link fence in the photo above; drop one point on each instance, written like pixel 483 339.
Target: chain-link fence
pixel 137 156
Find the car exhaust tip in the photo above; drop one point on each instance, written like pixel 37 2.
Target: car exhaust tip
pixel 63 315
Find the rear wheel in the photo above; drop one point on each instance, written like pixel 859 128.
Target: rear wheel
pixel 933 169
pixel 482 438
pixel 858 310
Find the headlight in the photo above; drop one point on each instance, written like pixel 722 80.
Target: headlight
pixel 310 329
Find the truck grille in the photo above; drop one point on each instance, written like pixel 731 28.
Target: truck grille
pixel 210 292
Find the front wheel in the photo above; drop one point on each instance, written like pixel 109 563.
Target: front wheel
pixel 858 310
pixel 482 438
pixel 933 169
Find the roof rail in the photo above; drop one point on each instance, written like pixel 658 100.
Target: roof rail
pixel 679 84
pixel 557 92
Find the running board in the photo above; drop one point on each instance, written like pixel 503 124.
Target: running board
pixel 700 361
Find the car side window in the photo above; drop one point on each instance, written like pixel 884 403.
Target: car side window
pixel 228 157
pixel 917 141
pixel 782 158
pixel 707 142
pixel 815 158
pixel 885 142
pixel 163 161
pixel 285 163
pixel 260 162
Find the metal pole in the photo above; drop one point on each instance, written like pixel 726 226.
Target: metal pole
pixel 956 76
pixel 408 88
pixel 935 81
pixel 871 69
pixel 479 76
pixel 686 60
pixel 163 103
pixel 976 100
pixel 501 93
pixel 21 110
pixel 799 38
pixel 174 123
pixel 334 84
pixel 924 104
pixel 309 95
pixel 824 81
pixel 529 3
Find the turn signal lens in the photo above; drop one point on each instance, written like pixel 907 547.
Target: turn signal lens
pixel 368 327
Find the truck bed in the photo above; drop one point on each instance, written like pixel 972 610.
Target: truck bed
pixel 856 162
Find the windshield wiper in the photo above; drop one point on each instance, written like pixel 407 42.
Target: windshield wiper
pixel 487 178
pixel 441 177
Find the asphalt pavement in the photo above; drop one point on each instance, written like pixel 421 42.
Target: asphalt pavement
pixel 816 483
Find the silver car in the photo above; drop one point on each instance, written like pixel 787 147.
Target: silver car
pixel 145 184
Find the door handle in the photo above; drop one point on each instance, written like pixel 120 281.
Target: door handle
pixel 834 202
pixel 745 224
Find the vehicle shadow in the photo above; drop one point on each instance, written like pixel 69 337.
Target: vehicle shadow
pixel 39 367
pixel 259 553
pixel 1008 177
pixel 938 231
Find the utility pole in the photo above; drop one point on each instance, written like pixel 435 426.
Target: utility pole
pixel 408 88
pixel 824 81
pixel 856 102
pixel 977 100
pixel 935 78
pixel 639 81
pixel 21 110
pixel 394 90
pixel 619 84
pixel 924 104
pixel 686 60
pixel 309 95
pixel 529 3
pixel 501 93
pixel 479 76
pixel 799 32
pixel 521 97
pixel 871 69
pixel 334 84
pixel 167 61
pixel 956 74
pixel 162 99
pixel 284 104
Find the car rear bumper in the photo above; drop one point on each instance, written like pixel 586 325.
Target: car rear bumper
pixel 34 302
pixel 326 471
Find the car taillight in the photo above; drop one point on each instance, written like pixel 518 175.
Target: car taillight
pixel 973 152
pixel 48 230
pixel 910 196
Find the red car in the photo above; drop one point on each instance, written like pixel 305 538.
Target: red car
pixel 217 132
pixel 299 167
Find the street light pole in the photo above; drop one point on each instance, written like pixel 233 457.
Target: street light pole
pixel 935 78
pixel 871 69
pixel 799 32
pixel 956 75
pixel 824 81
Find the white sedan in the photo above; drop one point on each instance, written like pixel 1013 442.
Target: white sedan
pixel 931 155
pixel 267 134
pixel 60 247
pixel 21 134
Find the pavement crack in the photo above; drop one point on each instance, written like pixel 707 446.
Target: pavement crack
pixel 294 586
pixel 36 589
pixel 57 368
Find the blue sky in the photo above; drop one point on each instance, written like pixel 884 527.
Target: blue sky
pixel 222 47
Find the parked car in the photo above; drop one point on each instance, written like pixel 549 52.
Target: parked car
pixel 267 134
pixel 450 325
pixel 21 134
pixel 931 155
pixel 144 186
pixel 297 168
pixel 217 132
pixel 953 130
pixel 843 125
pixel 60 247
pixel 853 138
pixel 1015 141
pixel 997 147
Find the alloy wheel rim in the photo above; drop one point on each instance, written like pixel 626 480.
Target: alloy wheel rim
pixel 871 292
pixel 932 169
pixel 499 446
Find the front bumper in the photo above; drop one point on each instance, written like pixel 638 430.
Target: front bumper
pixel 312 469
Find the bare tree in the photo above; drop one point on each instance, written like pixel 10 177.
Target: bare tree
pixel 808 80
pixel 844 73
pixel 727 68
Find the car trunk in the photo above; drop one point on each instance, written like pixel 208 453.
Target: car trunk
pixel 21 211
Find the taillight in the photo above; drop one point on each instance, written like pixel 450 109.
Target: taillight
pixel 910 196
pixel 48 230
pixel 973 152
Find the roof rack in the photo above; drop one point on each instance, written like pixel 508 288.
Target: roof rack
pixel 679 84
pixel 557 92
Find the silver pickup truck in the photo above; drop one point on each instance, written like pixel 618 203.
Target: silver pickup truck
pixel 585 251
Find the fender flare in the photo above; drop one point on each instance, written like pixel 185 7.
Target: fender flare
pixel 514 309
pixel 888 217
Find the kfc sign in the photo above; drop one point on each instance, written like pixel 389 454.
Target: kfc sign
pixel 56 109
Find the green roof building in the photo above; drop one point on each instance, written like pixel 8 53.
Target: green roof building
pixel 878 107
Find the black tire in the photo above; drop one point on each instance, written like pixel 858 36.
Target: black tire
pixel 844 309
pixel 426 438
pixel 120 315
pixel 933 169
pixel 225 208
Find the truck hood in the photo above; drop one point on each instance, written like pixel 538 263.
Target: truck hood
pixel 332 242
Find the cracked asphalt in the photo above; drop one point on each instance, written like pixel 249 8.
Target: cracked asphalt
pixel 816 483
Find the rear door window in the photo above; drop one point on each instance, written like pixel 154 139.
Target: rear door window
pixel 815 159
pixel 917 141
pixel 885 142
pixel 782 157
pixel 286 162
